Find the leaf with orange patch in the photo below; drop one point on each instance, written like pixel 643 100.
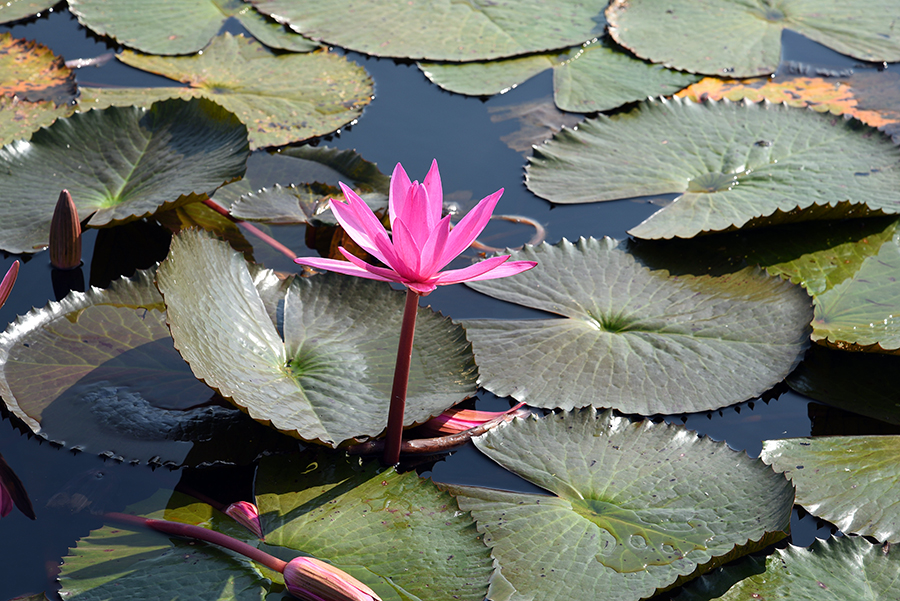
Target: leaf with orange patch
pixel 32 72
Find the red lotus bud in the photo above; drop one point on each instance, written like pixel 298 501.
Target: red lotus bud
pixel 65 234
pixel 246 514
pixel 9 279
pixel 313 580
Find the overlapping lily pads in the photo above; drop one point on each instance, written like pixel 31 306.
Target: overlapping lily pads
pixel 32 72
pixel 587 78
pixel 732 165
pixel 743 39
pixel 851 481
pixel 638 340
pixel 119 164
pixel 281 98
pixel 179 26
pixel 20 118
pixel 98 372
pixel 329 378
pixel 444 30
pixel 635 507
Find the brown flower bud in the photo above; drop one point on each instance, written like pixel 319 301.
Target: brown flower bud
pixel 65 234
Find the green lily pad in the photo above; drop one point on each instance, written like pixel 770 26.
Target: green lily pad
pixel 178 26
pixel 329 380
pixel 635 507
pixel 19 118
pixel 851 481
pixel 120 164
pixel 637 340
pixel 587 78
pixel 281 98
pixel 743 39
pixel 863 383
pixel 395 532
pixel 732 165
pixel 838 569
pixel 99 372
pixel 197 214
pixel 13 10
pixel 860 310
pixel 30 71
pixel 445 30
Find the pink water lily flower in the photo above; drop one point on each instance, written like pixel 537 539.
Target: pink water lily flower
pixel 421 243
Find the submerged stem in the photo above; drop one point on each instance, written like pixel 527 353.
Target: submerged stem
pixel 401 380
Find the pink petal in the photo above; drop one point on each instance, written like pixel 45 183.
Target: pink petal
pixel 488 269
pixel 469 227
pixel 413 214
pixel 387 275
pixel 400 185
pixel 407 251
pixel 345 268
pixel 363 226
pixel 434 247
pixel 9 279
pixel 432 185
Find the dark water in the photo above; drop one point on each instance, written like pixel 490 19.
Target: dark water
pixel 410 121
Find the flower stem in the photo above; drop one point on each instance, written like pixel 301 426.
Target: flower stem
pixel 252 229
pixel 210 536
pixel 401 380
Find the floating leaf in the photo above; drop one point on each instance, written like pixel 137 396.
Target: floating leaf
pixel 638 340
pixel 30 71
pixel 395 532
pixel 99 372
pixel 636 507
pixel 851 481
pixel 281 98
pixel 443 31
pixel 860 310
pixel 822 95
pixel 120 164
pixel 731 164
pixel 588 78
pixel 178 26
pixel 837 569
pixel 19 119
pixel 13 10
pixel 330 379
pixel 743 39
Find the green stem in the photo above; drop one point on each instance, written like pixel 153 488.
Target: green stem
pixel 401 380
pixel 197 532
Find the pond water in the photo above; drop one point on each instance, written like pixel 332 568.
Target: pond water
pixel 410 121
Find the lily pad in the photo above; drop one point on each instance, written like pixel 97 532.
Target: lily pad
pixel 30 71
pixel 587 78
pixel 281 98
pixel 397 533
pixel 851 481
pixel 98 372
pixel 19 118
pixel 637 340
pixel 635 507
pixel 742 39
pixel 13 10
pixel 732 165
pixel 178 26
pixel 329 380
pixel 197 214
pixel 119 164
pixel 445 30
pixel 837 569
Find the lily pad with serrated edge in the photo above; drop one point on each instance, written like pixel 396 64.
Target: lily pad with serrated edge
pixel 443 30
pixel 851 481
pixel 836 569
pixel 738 38
pixel 281 98
pixel 637 340
pixel 178 26
pixel 119 164
pixel 19 118
pixel 13 10
pixel 587 78
pixel 731 164
pixel 635 507
pixel 329 379
pixel 99 372
pixel 30 71
pixel 395 532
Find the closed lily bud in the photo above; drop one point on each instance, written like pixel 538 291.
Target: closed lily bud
pixel 9 279
pixel 313 580
pixel 65 234
pixel 246 514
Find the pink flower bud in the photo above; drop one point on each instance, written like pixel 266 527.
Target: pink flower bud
pixel 9 279
pixel 313 580
pixel 65 234
pixel 6 501
pixel 246 514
